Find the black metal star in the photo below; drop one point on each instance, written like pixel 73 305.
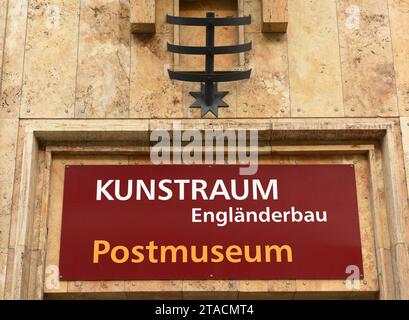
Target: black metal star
pixel 218 101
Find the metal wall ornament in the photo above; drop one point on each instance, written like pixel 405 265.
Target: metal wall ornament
pixel 209 98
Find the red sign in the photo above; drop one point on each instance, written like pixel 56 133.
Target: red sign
pixel 208 222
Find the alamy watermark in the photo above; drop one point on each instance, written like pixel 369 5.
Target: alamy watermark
pixel 209 146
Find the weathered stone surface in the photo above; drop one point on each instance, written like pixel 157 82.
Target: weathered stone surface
pixel 399 21
pixel 366 58
pixel 3 270
pixel 266 93
pixel 210 285
pixel 96 286
pixel 366 222
pixel 253 8
pixel 3 19
pixel 55 221
pixel 314 61
pixel 163 7
pixel 13 59
pixel 16 186
pixel 52 282
pixel 404 124
pixel 148 286
pixel 210 289
pixel 51 79
pixel 8 142
pixel 283 287
pixel 50 59
pixel 18 262
pixel 103 60
pixel 153 94
pixel 40 216
pixel 36 278
pixel 266 289
pixel 254 286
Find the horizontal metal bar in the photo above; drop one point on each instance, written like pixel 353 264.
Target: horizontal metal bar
pixel 188 21
pixel 209 50
pixel 218 76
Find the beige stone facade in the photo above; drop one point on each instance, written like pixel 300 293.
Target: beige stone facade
pixel 77 86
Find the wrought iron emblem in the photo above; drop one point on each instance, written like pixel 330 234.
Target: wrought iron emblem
pixel 209 98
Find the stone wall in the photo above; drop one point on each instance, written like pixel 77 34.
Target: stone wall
pixel 76 59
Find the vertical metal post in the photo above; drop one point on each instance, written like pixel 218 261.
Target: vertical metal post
pixel 209 86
